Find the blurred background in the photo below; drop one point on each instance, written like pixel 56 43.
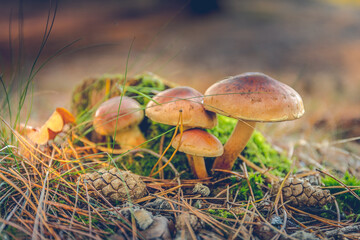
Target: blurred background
pixel 311 45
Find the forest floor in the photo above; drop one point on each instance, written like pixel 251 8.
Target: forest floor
pixel 310 45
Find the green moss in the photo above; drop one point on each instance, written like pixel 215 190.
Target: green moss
pixel 148 85
pixel 347 202
pixel 224 128
pixel 221 213
pixel 256 181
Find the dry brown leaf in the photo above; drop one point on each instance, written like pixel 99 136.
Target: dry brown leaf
pixel 52 126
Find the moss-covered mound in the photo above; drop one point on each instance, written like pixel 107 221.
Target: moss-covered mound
pixel 92 92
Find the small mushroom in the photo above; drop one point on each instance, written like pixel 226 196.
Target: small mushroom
pixel 250 98
pixel 167 104
pixel 123 121
pixel 199 144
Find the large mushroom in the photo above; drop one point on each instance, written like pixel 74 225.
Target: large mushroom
pixel 250 98
pixel 166 105
pixel 120 116
pixel 199 144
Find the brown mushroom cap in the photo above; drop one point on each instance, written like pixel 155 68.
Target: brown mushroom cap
pixel 254 97
pixel 198 142
pixel 129 114
pixel 180 98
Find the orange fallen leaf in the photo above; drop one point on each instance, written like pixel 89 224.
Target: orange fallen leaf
pixel 66 115
pixel 52 126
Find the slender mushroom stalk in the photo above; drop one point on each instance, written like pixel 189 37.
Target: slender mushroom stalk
pixel 199 144
pixel 111 119
pixel 191 163
pixel 235 144
pixel 199 167
pixel 250 98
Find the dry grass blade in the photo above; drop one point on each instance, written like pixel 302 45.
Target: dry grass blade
pixel 241 229
pixel 323 220
pixel 179 124
pixel 8 181
pixel 41 209
pixel 279 193
pixel 269 177
pixel 10 215
pixel 301 224
pixel 89 211
pixel 16 226
pixel 94 145
pixel 191 231
pixel 161 146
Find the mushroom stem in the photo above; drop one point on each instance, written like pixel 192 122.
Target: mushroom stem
pixel 236 143
pixel 191 163
pixel 130 138
pixel 199 167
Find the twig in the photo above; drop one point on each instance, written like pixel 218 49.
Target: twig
pixel 349 229
pixel 337 210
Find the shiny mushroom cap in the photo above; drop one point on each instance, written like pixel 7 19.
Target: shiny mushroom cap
pixel 129 114
pixel 173 100
pixel 198 142
pixel 254 97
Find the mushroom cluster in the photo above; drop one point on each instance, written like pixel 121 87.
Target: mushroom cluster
pixel 249 98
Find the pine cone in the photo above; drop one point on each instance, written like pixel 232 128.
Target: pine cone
pixel 115 185
pixel 301 193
